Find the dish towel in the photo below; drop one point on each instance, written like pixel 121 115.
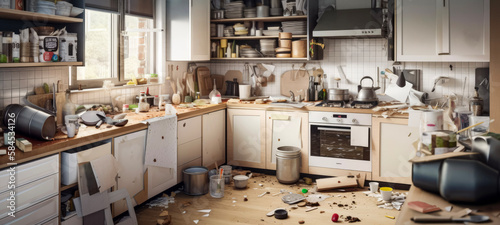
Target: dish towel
pixel 161 142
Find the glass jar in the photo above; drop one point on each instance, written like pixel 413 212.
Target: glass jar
pixel 7 47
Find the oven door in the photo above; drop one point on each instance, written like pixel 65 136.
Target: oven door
pixel 340 147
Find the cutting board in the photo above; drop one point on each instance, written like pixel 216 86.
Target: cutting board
pixel 40 100
pixel 219 82
pixel 294 80
pixel 204 81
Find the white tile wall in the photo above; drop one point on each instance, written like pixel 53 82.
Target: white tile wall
pixel 361 57
pixel 358 57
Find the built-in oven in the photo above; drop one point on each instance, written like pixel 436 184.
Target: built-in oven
pixel 340 140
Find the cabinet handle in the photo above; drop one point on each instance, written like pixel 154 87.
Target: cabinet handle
pixel 184 125
pixel 444 3
pixel 444 53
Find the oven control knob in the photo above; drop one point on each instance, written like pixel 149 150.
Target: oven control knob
pixel 339 120
pixel 354 120
pixel 324 119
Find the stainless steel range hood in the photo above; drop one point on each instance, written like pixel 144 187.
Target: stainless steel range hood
pixel 349 23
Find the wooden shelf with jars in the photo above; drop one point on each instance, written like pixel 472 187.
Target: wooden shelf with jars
pixel 261 19
pixel 43 64
pixel 12 14
pixel 254 37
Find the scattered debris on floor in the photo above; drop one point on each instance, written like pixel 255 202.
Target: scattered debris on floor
pixel 196 221
pixel 164 219
pixel 311 209
pixel 390 217
pixel 423 207
pixel 448 208
pixel 396 202
pixel 301 221
pixel 335 217
pixel 351 219
pixel 162 201
pixel 205 210
pixel 265 193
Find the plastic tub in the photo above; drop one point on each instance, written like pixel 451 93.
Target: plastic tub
pixel 288 162
pixel 195 180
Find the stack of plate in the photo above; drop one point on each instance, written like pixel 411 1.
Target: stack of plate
pixel 234 9
pixel 228 31
pixel 240 29
pixel 271 31
pixel 295 27
pixel 249 53
pixel 250 12
pixel 267 47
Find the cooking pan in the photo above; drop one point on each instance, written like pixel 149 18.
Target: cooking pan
pixel 336 94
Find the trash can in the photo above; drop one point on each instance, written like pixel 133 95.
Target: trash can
pixel 288 162
pixel 195 180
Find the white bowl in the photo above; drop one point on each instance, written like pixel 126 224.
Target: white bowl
pixel 240 181
pixel 75 11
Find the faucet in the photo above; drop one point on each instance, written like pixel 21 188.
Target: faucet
pixel 292 96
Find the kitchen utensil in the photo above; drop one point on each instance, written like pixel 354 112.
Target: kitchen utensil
pixel 366 94
pixel 244 91
pixel 476 103
pixel 298 85
pixel 115 122
pixel 91 118
pixel 216 186
pixel 240 181
pixel 70 129
pixel 483 82
pixel 195 180
pixel 442 219
pixel 337 94
pixel 31 122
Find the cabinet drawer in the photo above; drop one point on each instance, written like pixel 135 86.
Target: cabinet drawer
pixel 188 130
pixel 54 221
pixel 188 151
pixel 30 194
pixel 37 214
pixel 196 162
pixel 31 171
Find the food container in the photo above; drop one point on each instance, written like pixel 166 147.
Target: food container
pixel 262 11
pixel 49 48
pixel 46 7
pixel 286 43
pixel 439 142
pixel 63 8
pixel 240 181
pixel 299 49
pixel 195 180
pixel 67 47
pixel 285 36
pixel 5 4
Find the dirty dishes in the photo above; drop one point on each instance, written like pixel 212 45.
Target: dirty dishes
pixel 374 187
pixel 216 186
pixel 386 193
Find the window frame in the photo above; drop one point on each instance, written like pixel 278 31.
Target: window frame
pixel 118 59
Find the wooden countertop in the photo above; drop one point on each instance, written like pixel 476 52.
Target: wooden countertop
pixel 271 107
pixel 91 134
pixel 416 194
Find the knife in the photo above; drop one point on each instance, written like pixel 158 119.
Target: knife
pixel 440 219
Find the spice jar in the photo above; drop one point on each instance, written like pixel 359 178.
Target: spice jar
pixel 7 47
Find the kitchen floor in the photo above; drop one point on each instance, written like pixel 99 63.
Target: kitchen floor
pixel 233 209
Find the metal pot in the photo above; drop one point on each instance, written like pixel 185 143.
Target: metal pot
pixel 366 94
pixel 31 122
pixel 336 94
pixel 195 180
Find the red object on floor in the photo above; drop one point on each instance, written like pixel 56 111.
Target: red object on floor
pixel 335 217
pixel 422 207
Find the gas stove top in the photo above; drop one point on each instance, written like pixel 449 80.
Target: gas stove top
pixel 353 104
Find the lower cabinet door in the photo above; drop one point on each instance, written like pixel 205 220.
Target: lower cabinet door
pixel 36 214
pixel 160 179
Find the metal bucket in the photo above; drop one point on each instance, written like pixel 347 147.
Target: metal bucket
pixel 195 180
pixel 288 162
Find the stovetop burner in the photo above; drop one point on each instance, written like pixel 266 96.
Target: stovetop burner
pixel 337 104
pixel 363 105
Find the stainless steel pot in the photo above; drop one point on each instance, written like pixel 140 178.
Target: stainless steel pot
pixel 31 122
pixel 195 180
pixel 366 94
pixel 336 94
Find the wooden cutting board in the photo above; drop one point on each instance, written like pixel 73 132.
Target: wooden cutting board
pixel 294 80
pixel 204 81
pixel 219 82
pixel 40 100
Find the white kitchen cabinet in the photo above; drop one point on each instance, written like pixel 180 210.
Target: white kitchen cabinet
pixel 188 30
pixel 160 179
pixel 189 144
pixel 442 30
pixel 31 171
pixel 214 138
pixel 39 213
pixel 287 132
pixel 246 135
pixel 394 143
pixel 129 151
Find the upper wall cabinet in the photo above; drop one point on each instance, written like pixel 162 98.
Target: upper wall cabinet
pixel 443 30
pixel 188 30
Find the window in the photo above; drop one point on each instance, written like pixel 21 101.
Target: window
pixel 118 47
pixel 100 56
pixel 138 46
